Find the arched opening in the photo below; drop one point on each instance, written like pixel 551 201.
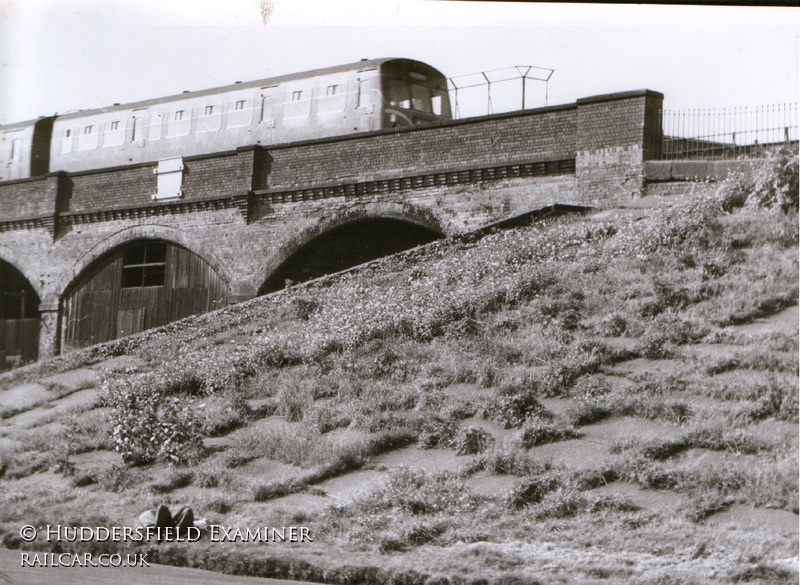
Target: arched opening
pixel 348 245
pixel 19 318
pixel 143 284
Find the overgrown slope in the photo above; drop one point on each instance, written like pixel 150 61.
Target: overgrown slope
pixel 502 408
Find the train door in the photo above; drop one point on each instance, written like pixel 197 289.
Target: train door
pixel 137 136
pixel 268 103
pixel 13 156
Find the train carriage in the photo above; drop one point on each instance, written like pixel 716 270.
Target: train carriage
pixel 359 97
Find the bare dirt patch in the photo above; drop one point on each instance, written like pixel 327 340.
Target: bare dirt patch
pixel 776 521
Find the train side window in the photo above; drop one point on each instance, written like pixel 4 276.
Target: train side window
pixel 66 141
pixel 144 265
pixel 333 101
pixel 179 125
pixel 115 135
pixel 299 107
pixel 211 120
pixel 241 114
pixel 89 139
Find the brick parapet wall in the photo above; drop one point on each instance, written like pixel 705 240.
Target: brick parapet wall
pixel 540 135
pixel 613 136
pixel 28 199
pixel 217 176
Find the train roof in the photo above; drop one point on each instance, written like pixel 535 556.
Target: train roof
pixel 364 64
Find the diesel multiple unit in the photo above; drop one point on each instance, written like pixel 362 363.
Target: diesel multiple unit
pixel 360 97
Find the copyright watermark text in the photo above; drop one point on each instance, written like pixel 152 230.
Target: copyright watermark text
pixel 44 559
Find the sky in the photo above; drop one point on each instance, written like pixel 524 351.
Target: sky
pixel 58 56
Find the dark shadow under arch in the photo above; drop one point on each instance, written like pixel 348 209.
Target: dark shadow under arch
pixel 348 245
pixel 19 318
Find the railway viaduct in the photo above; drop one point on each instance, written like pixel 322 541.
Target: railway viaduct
pixel 248 218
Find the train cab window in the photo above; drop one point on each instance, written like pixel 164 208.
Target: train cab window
pixel 144 265
pixel 440 103
pixel 397 94
pixel 421 98
pixel 240 115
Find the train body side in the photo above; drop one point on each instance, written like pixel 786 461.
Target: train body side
pixel 333 102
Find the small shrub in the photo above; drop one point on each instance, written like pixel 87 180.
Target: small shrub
pixel 537 431
pixel 562 503
pixel 84 479
pixel 416 492
pixel 589 480
pixel 149 424
pixel 530 490
pixel 294 400
pixel 423 532
pixel 663 449
pixel 512 405
pixel 303 307
pixel 775 186
pixel 510 462
pixel 587 411
pixel 325 419
pixel 278 489
pixel 472 441
pixel 219 505
pixel 612 326
pixel 116 479
pixel 222 414
pixel 437 432
pixel 176 480
pixel 210 476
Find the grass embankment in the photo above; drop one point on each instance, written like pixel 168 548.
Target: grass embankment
pixel 626 335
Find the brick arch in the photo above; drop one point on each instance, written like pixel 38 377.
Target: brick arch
pixel 402 212
pixel 15 262
pixel 132 234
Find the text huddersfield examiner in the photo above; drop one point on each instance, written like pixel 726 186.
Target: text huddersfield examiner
pixel 217 533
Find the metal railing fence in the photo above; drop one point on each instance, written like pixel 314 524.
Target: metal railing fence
pixel 727 133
